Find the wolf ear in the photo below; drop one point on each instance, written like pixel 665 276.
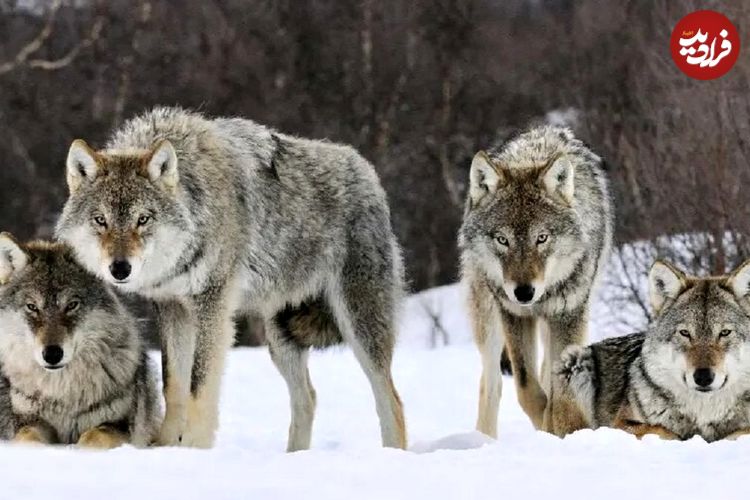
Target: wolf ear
pixel 484 177
pixel 82 164
pixel 558 178
pixel 13 258
pixel 665 282
pixel 739 280
pixel 162 166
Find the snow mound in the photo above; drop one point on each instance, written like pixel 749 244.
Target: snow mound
pixel 463 441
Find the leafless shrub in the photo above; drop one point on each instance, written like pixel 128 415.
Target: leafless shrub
pixel 438 334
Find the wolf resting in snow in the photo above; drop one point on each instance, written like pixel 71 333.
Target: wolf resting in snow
pixel 688 375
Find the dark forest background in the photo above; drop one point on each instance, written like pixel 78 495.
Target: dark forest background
pixel 417 86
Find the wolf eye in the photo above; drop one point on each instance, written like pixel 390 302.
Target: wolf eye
pixel 725 332
pixel 100 221
pixel 72 306
pixel 143 220
pixel 502 240
pixel 684 333
pixel 32 307
pixel 542 238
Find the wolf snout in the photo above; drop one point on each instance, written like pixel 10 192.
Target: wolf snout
pixel 120 269
pixel 703 378
pixel 52 355
pixel 524 293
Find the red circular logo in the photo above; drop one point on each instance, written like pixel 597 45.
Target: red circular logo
pixel 705 45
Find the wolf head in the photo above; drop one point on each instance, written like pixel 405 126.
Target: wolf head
pixel 122 216
pixel 700 336
pixel 48 303
pixel 521 226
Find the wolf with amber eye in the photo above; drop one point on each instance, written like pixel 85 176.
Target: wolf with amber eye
pixel 73 369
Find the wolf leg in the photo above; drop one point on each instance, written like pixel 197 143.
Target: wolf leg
pixel 625 421
pixel 489 340
pixel 490 385
pixel 546 371
pixel 103 437
pixel 215 335
pixel 37 433
pixel 562 414
pixel 367 326
pixel 738 434
pixel 291 361
pixel 520 339
pixel 177 332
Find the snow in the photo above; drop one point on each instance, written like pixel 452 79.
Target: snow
pixel 447 458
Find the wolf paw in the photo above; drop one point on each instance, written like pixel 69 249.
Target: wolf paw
pixel 102 438
pixel 30 435
pixel 171 433
pixel 576 365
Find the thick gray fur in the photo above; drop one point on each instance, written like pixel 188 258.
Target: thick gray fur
pixel 539 214
pixel 647 379
pixel 295 230
pixel 105 380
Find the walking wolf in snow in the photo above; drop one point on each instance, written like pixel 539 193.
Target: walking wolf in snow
pixel 73 369
pixel 537 230
pixel 688 375
pixel 193 212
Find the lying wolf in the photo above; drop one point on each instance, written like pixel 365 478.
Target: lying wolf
pixel 73 369
pixel 688 375
pixel 191 211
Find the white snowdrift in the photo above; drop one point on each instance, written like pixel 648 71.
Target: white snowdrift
pixel 447 458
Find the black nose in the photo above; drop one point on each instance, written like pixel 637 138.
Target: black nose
pixel 703 376
pixel 524 293
pixel 52 354
pixel 120 269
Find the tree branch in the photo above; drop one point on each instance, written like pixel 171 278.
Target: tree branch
pixel 23 58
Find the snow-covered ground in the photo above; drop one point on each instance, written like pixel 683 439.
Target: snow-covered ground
pixel 446 460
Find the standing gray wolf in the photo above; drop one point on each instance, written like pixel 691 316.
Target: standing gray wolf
pixel 191 212
pixel 72 365
pixel 537 229
pixel 689 374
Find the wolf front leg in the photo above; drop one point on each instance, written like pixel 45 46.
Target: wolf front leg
pixel 562 414
pixel 520 339
pixel 177 332
pixel 626 421
pixel 489 339
pixel 214 337
pixel 738 434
